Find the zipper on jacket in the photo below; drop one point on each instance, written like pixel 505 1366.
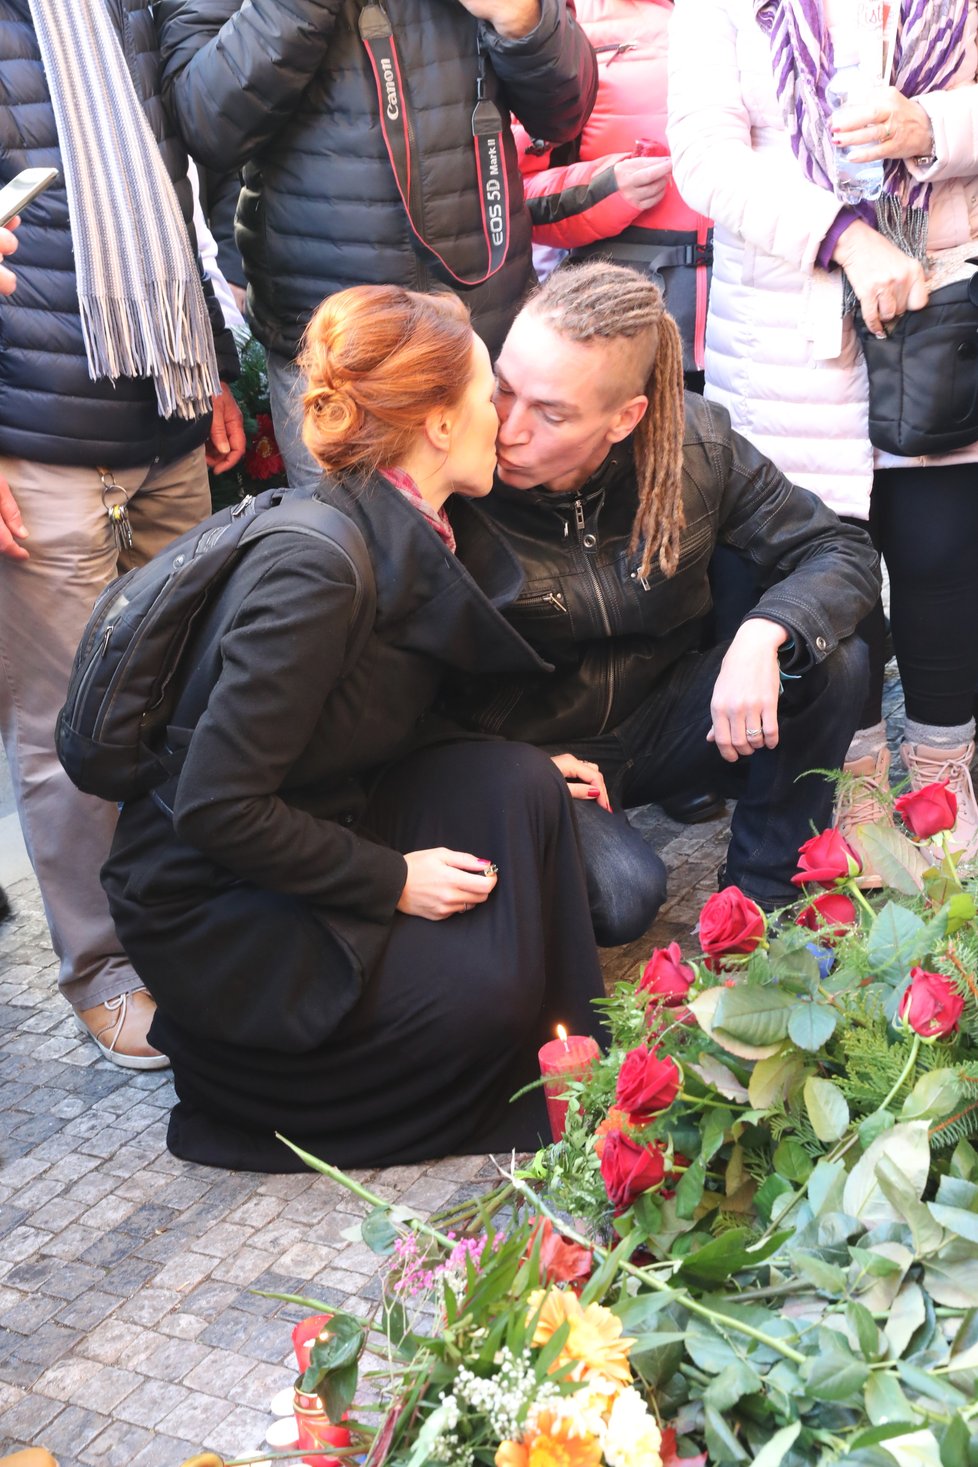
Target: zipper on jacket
pixel 538 602
pixel 580 522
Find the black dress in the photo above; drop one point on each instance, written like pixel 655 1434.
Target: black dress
pixel 256 895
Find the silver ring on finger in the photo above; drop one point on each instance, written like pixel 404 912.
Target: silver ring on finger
pixel 465 906
pixel 753 733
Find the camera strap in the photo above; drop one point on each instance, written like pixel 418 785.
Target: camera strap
pixel 402 148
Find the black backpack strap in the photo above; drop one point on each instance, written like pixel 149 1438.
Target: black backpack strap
pixel 314 516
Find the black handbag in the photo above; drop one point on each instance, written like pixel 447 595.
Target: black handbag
pixel 923 376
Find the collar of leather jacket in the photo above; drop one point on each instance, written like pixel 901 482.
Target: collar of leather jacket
pixel 431 601
pixel 607 501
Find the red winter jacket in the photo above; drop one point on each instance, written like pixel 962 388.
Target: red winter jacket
pixel 578 204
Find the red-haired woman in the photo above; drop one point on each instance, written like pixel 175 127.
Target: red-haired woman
pixel 314 902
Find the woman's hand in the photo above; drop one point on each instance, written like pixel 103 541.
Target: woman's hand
pixel 887 281
pixel 584 780
pixel 883 124
pixel 745 695
pixel 441 883
pixel 642 182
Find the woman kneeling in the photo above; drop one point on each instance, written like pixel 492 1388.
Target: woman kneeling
pixel 357 931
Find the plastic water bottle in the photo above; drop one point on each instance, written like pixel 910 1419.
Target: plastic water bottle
pixel 854 181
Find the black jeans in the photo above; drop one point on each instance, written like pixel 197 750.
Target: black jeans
pixel 662 747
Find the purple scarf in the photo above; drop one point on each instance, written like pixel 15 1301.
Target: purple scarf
pixel 927 54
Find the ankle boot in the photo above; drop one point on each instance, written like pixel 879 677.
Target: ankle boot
pixel 926 765
pixel 862 800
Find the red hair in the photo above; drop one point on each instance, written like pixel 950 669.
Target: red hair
pixel 376 360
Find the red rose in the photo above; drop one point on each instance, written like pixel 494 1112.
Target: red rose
pixel 561 1262
pixel 666 977
pixel 646 1084
pixel 931 1005
pixel 830 915
pixel 930 810
pixel 670 1456
pixel 731 923
pixel 629 1169
pixel 826 859
pixel 263 458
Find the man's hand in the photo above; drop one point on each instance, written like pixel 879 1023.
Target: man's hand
pixel 442 883
pixel 887 281
pixel 12 526
pixel 511 19
pixel 643 181
pixel 226 443
pixel 8 244
pixel 745 695
pixel 584 779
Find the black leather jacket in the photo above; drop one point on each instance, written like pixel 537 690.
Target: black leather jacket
pixel 611 634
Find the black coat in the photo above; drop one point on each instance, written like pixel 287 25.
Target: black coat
pixel 50 409
pixel 611 634
pixel 265 849
pixel 284 91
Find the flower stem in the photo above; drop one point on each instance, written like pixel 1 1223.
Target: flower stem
pixel 859 899
pixel 335 1175
pixel 898 1084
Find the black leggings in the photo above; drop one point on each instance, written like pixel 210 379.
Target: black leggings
pixel 924 523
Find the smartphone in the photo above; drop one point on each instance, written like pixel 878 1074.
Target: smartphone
pixel 17 194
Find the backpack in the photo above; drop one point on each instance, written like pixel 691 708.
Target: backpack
pixel 124 680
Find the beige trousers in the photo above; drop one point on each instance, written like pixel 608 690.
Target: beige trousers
pixel 44 604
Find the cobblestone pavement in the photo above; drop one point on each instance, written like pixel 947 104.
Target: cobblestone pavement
pixel 130 1332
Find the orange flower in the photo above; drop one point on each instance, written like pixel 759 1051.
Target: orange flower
pixel 594 1342
pixel 554 1444
pixel 615 1120
pixel 511 1454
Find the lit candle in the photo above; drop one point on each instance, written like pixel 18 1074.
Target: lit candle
pixel 566 1058
pixel 314 1428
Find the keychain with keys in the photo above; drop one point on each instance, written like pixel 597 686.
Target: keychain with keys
pixel 117 509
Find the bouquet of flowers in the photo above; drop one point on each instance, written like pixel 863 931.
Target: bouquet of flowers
pixel 756 1240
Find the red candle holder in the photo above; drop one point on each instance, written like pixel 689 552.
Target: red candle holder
pixel 562 1060
pixel 315 1430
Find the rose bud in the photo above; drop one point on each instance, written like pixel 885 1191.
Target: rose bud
pixel 647 1084
pixel 826 859
pixel 931 1005
pixel 666 978
pixel 628 1169
pixel 831 915
pixel 731 923
pixel 928 811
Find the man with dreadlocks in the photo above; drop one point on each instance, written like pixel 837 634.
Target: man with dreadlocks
pixel 614 492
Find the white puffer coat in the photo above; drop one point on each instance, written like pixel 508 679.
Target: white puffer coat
pixel 773 353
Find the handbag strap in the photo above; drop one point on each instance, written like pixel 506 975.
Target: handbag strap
pixel 400 139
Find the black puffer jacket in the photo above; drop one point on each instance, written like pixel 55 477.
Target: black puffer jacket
pixel 610 634
pixel 50 409
pixel 284 90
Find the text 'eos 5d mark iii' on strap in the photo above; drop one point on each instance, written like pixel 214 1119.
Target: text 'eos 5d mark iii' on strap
pixel 399 135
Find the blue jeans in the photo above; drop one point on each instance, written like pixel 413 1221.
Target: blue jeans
pixel 285 388
pixel 661 748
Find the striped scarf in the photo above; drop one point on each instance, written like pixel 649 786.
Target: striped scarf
pixel 927 53
pixel 140 298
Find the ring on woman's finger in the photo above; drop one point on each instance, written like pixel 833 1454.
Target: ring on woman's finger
pixel 753 733
pixel 885 133
pixel 465 906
